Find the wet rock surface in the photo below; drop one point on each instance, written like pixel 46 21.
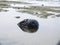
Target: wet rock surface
pixel 29 25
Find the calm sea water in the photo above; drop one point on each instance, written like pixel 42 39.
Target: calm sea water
pixel 10 34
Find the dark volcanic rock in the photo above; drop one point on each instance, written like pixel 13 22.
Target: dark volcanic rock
pixel 29 25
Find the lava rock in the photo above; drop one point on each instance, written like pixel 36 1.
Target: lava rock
pixel 29 25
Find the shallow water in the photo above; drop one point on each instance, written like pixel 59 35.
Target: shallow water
pixel 10 34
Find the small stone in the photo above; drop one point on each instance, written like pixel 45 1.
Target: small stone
pixel 17 16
